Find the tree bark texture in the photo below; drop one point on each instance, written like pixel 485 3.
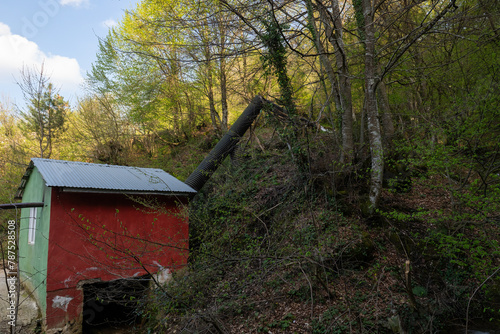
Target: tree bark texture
pixel 374 130
pixel 387 122
pixel 223 80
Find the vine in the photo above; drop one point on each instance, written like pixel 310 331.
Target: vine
pixel 275 62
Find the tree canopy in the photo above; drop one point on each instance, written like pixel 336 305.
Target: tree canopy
pixel 371 99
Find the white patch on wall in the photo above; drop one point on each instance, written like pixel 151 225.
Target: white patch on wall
pixel 163 275
pixel 61 302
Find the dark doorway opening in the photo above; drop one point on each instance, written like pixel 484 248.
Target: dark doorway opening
pixel 113 305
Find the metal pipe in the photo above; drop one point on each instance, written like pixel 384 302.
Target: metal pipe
pixel 225 146
pixel 21 205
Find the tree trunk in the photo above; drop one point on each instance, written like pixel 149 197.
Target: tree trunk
pixel 223 93
pixel 325 61
pixel 222 67
pixel 374 131
pixel 387 123
pixel 214 116
pixel 334 35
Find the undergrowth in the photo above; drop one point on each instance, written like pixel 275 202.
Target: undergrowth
pixel 272 251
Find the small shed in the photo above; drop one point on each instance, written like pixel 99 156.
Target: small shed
pixel 96 223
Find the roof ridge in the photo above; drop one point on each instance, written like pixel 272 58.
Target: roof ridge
pixel 92 163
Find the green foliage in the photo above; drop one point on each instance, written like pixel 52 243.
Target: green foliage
pixel 12 158
pixel 282 324
pixel 45 118
pixel 144 80
pixel 419 291
pixel 103 131
pixel 330 322
pixel 263 235
pixel 466 256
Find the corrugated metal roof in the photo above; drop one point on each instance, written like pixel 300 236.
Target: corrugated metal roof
pixel 83 175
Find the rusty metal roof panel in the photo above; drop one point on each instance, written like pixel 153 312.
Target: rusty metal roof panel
pixel 83 175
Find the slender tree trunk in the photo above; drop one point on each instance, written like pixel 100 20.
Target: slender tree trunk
pixel 190 108
pixel 214 116
pixel 335 36
pixel 345 86
pixel 362 131
pixel 387 123
pixel 245 77
pixel 374 130
pixel 223 92
pixel 325 61
pixel 223 80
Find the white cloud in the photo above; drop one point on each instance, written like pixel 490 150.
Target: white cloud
pixel 74 3
pixel 109 23
pixel 17 51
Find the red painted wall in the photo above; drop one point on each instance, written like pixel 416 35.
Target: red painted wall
pixel 107 237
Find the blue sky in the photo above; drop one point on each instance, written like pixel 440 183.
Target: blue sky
pixel 63 34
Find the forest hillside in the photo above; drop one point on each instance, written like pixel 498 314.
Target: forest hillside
pixel 364 199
